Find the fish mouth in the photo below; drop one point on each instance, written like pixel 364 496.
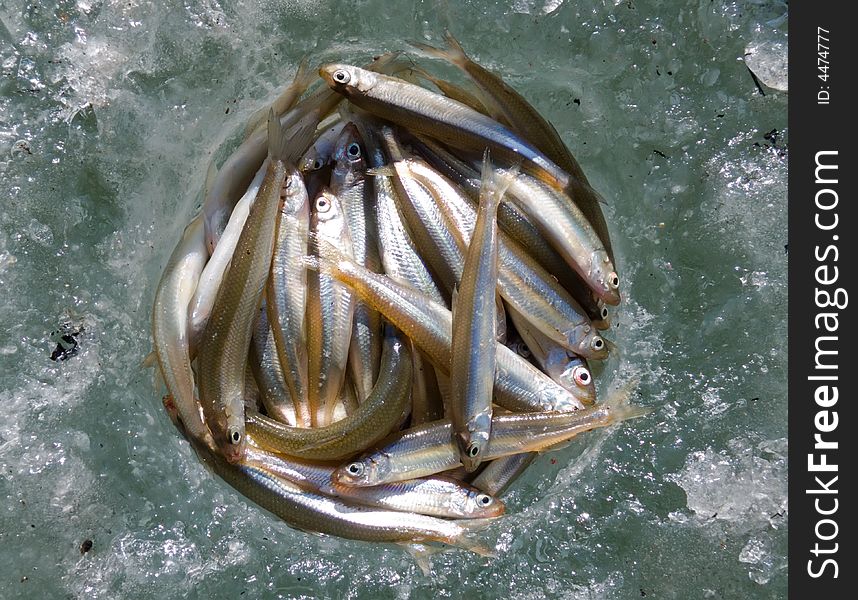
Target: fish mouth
pixel 326 73
pixel 610 296
pixel 234 454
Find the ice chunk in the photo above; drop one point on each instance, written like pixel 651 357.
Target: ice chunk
pixel 762 559
pixel 768 61
pixel 738 484
pixel 538 7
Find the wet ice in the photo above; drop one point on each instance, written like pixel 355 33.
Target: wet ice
pixel 109 114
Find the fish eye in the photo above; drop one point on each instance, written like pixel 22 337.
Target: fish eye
pixel 613 280
pixel 355 469
pixel 597 343
pixel 484 500
pixel 323 205
pixel 317 164
pixel 234 436
pixel 581 375
pixel 604 312
pixel 353 150
pixel 341 76
pixel 523 350
pixel 473 450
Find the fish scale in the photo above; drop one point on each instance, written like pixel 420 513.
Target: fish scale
pixel 350 185
pixel 225 342
pixel 330 310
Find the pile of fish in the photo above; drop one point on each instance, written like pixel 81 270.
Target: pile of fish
pixel 387 305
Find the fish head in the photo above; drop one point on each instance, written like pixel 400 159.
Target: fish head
pixel 472 447
pixel 349 152
pixel 367 471
pixel 602 274
pixel 326 207
pixel 576 377
pixel 479 505
pixel 584 340
pixel 347 79
pixel 234 445
pixel 227 430
pixel 559 399
pixel 604 320
pixel 311 161
pixel 294 192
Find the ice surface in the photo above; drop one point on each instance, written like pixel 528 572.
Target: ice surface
pixel 766 54
pixel 109 114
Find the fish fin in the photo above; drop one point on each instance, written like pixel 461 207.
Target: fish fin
pixel 407 73
pixel 422 73
pixel 500 319
pixel 298 138
pixel 383 171
pixel 422 555
pixel 575 189
pixel 471 541
pixel 487 171
pixel 311 263
pixel 302 80
pixel 277 140
pixel 493 180
pixel 618 403
pixel 255 122
pixel 612 347
pixel 557 446
pixel 328 257
pixel 304 75
pixel 158 380
pixel 383 62
pixel 454 47
pixel 149 361
pixel 211 175
pixel 453 53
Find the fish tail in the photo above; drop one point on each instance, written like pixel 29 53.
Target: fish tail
pixel 454 48
pixel 453 53
pixel 618 405
pixel 490 194
pixel 422 555
pixel 428 50
pixel 149 361
pixel 211 176
pixel 330 260
pixel 277 140
pixel 299 138
pixel 391 143
pixel 311 263
pixel 496 182
pixel 304 76
pixel 383 171
pixel 471 541
pixel 478 547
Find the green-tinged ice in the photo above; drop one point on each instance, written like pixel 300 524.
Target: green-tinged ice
pixel 110 113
